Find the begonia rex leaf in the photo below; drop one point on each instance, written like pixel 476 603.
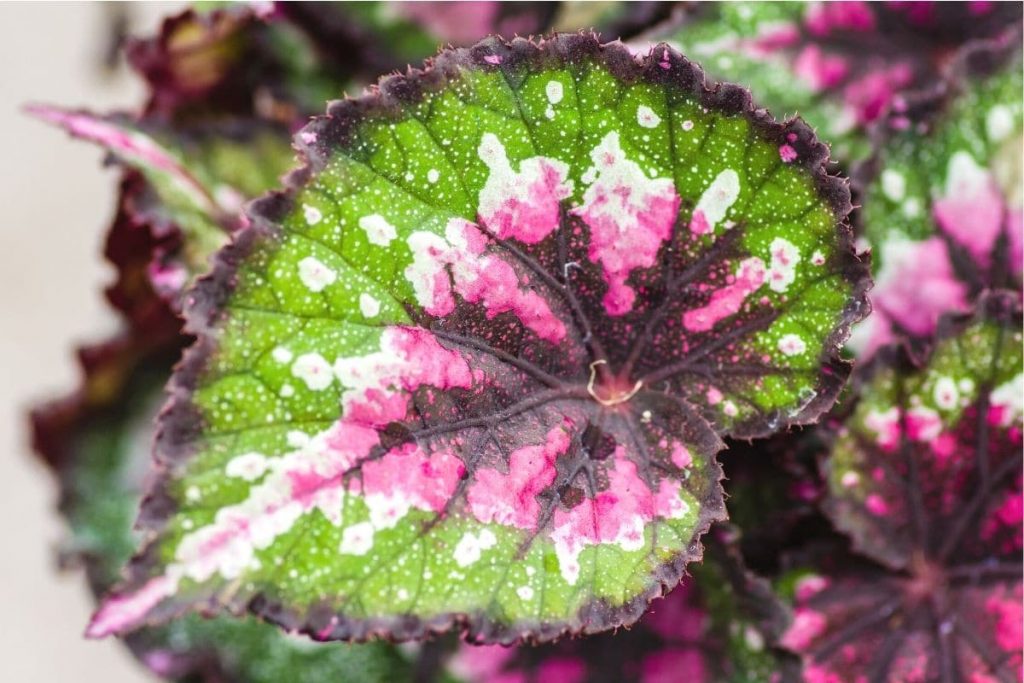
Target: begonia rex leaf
pixel 836 64
pixel 925 478
pixel 942 210
pixel 472 368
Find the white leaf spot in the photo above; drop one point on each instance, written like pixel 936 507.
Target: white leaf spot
pixel 792 345
pixel 894 185
pixel 315 275
pixel 368 305
pixel 378 230
pixel 715 201
pixel 946 394
pixel 314 370
pixel 470 547
pixel 357 539
pixel 312 214
pixel 999 123
pixel 554 92
pixel 247 466
pixel 646 117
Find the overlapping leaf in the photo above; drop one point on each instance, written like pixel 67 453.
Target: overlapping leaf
pixel 805 58
pixel 473 368
pixel 925 478
pixel 718 625
pixel 842 66
pixel 943 209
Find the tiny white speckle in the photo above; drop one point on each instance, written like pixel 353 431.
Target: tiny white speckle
pixel 403 594
pixel 312 214
pixel 729 408
pixel 647 117
pixel 378 230
pixel 192 493
pixel 281 355
pixel 315 275
pixel 368 305
pixel 549 112
pixel 817 258
pixel 287 390
pixel 554 92
pixel 530 571
pixel 433 175
pixel 525 593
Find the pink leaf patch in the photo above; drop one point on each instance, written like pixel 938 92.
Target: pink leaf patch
pixel 629 216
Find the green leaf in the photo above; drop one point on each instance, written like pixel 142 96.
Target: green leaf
pixel 472 369
pixel 943 205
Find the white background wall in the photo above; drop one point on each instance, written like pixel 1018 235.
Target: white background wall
pixel 55 202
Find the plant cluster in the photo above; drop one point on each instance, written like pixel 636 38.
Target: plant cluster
pixel 555 359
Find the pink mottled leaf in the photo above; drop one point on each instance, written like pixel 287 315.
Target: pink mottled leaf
pixel 462 374
pixel 943 202
pixel 925 478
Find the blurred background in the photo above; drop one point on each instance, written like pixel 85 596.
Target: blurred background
pixel 57 202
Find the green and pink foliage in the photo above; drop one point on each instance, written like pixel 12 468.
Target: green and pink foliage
pixel 841 66
pixel 942 199
pixel 480 365
pixel 720 624
pixel 528 413
pixel 925 479
pixel 98 439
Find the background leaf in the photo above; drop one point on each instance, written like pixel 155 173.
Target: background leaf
pixel 925 478
pixel 943 206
